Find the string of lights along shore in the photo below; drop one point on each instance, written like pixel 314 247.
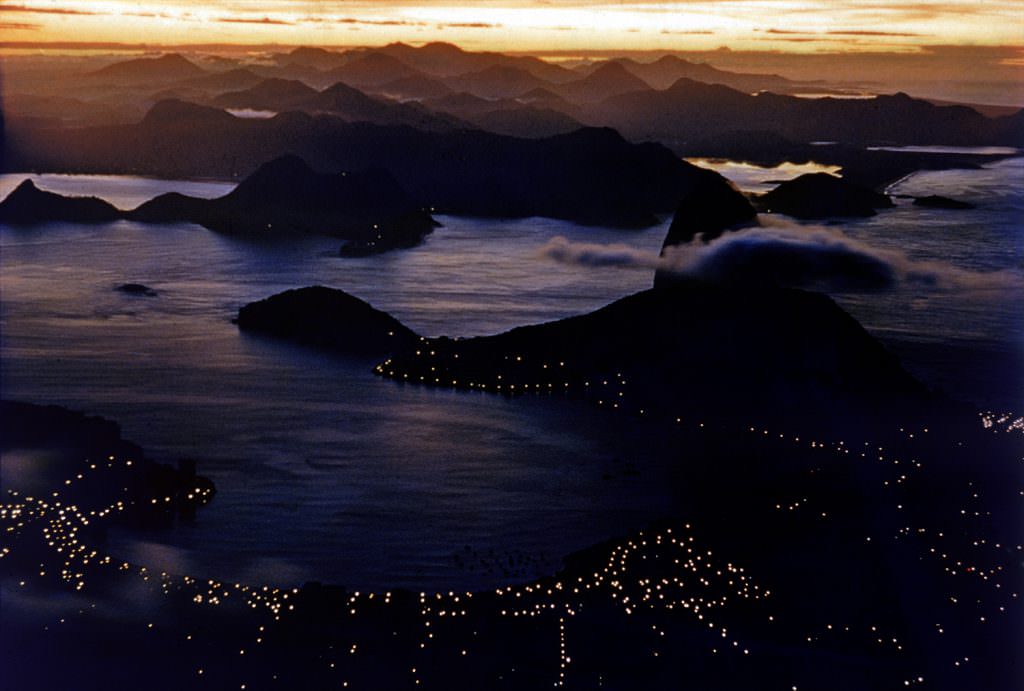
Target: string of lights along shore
pixel 667 577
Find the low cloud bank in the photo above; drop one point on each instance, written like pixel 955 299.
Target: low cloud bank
pixel 786 255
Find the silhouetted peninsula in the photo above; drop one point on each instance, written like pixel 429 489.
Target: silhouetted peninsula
pixel 327 318
pixel 823 196
pixel 285 196
pixel 367 209
pixel 29 205
pixel 67 437
pixel 693 347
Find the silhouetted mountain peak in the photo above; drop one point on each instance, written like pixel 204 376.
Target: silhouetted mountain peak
pixel 310 51
pixel 610 79
pixel 167 66
pixel 315 58
pixel 685 85
pixel 441 48
pixel 672 60
pixel 612 69
pixel 340 88
pixel 26 185
pixel 29 205
pixel 711 207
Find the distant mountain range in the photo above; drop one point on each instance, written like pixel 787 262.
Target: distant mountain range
pixel 691 111
pixel 439 86
pixel 345 101
pixel 591 176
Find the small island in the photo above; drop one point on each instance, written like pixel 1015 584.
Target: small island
pixel 816 196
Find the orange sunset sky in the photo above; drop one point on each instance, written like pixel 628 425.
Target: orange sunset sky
pixel 788 25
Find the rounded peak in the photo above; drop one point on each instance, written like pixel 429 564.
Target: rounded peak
pixel 441 47
pixel 311 50
pixel 172 58
pixel 611 67
pixel 672 59
pixel 342 87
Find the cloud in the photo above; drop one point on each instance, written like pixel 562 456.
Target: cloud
pixel 261 20
pixel 786 254
pixel 563 251
pixel 20 26
pixel 26 9
pixel 354 20
pixel 861 32
pixel 470 25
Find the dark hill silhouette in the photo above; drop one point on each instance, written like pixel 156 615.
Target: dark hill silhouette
pixel 506 116
pixel 591 176
pixel 609 79
pixel 691 111
pixel 354 105
pixel 822 196
pixel 29 205
pixel 526 121
pixel 316 58
pixel 372 69
pixel 169 67
pixel 367 209
pixel 328 318
pixel 285 196
pixel 497 81
pixel 180 114
pixel 690 348
pixel 447 60
pixel 667 70
pixel 269 94
pixel 706 212
pixel 341 99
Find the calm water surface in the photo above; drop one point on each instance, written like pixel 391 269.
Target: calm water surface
pixel 326 472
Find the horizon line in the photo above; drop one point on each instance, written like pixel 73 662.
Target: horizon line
pixel 241 47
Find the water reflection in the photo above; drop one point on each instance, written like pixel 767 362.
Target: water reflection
pixel 753 178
